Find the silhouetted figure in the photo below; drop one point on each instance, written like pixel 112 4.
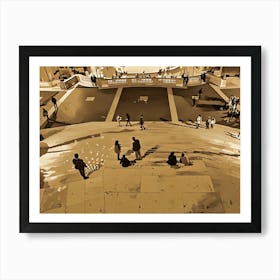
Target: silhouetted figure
pixel 200 92
pixel 80 165
pixel 136 148
pixel 117 148
pixel 46 114
pixel 128 120
pixel 172 159
pixel 125 162
pixel 203 77
pixel 142 122
pixel 187 80
pixel 54 104
pixel 208 122
pixel 185 160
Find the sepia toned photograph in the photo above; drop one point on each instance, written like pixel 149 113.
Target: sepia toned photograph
pixel 141 147
pixel 139 139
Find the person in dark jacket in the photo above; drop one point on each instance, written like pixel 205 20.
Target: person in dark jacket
pixel 80 165
pixel 118 149
pixel 54 104
pixel 125 162
pixel 142 122
pixel 128 120
pixel 172 160
pixel 136 148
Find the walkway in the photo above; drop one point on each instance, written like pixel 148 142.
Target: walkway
pixel 150 186
pixel 114 105
pixel 172 106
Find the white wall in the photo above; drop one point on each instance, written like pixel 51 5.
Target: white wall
pixel 138 256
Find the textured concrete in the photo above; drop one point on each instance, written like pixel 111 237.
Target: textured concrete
pixel 210 185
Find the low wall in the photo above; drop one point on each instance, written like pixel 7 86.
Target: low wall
pixel 140 82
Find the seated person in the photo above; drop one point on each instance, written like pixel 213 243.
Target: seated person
pixel 172 159
pixel 125 162
pixel 185 160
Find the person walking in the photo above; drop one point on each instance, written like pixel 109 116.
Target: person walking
pixel 136 148
pixel 142 122
pixel 198 121
pixel 119 118
pixel 128 120
pixel 54 104
pixel 80 165
pixel 118 149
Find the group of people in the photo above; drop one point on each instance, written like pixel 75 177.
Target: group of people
pixel 233 112
pixel 136 147
pixel 184 160
pixel 45 111
pixel 233 102
pixel 128 123
pixel 209 123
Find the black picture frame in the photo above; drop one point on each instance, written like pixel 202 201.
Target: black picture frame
pixel 25 52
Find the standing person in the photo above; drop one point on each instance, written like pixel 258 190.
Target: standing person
pixel 46 114
pixel 117 148
pixel 54 104
pixel 198 121
pixel 172 160
pixel 213 121
pixel 119 118
pixel 136 148
pixel 93 79
pixel 200 92
pixel 142 122
pixel 208 122
pixel 80 165
pixel 128 120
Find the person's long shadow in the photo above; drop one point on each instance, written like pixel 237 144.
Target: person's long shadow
pixel 150 151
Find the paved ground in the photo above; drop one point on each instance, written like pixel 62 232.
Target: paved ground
pixel 156 108
pixel 84 105
pixel 211 185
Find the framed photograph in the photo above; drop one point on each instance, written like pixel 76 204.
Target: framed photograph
pixel 171 142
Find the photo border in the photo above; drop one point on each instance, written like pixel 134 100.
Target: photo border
pixel 25 52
